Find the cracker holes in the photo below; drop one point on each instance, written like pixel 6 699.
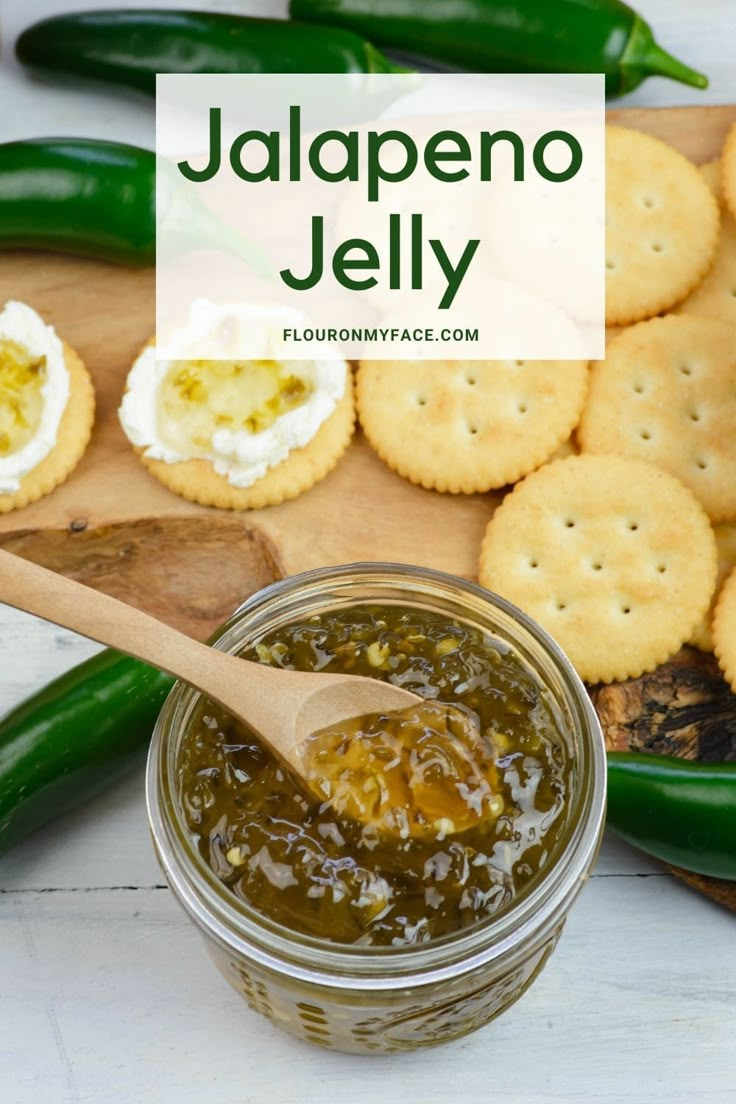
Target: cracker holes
pixel 695 416
pixel 522 407
pixel 421 400
pixel 686 370
pixel 560 605
pixel 648 201
pixel 533 564
pixel 661 568
pixel 610 265
pixel 656 247
pixel 596 565
pixel 701 463
pixel 638 388
pixel 569 523
pixel 632 525
pixel 626 610
pixel 470 380
pixel 645 434
pixel 472 429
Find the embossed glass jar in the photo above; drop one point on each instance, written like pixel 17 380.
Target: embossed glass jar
pixel 383 999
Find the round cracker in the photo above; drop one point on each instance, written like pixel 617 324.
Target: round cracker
pixel 711 172
pixel 666 393
pixel 728 170
pixel 198 481
pixel 715 296
pixel 468 426
pixel 661 226
pixel 724 630
pixel 726 544
pixel 72 438
pixel 613 556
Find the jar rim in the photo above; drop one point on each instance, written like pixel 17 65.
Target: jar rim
pixel 239 926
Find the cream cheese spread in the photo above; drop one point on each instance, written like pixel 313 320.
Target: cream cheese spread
pixel 31 359
pixel 244 416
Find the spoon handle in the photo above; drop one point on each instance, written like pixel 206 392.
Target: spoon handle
pixel 53 597
pixel 283 707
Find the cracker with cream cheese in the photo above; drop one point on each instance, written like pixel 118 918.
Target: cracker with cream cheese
pixel 238 434
pixel 47 408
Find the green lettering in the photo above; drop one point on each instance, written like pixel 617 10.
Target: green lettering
pixel 576 156
pixel 433 154
pixel 394 252
pixel 295 147
pixel 270 171
pixel 454 276
pixel 304 283
pixel 341 263
pixel 197 176
pixel 376 171
pixel 488 141
pixel 416 252
pixel 350 170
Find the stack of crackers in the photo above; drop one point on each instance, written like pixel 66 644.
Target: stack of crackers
pixel 619 535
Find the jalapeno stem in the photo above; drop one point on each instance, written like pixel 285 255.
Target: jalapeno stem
pixel 644 57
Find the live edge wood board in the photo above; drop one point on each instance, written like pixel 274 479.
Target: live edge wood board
pixel 114 527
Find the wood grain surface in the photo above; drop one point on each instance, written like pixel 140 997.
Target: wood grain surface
pixel 113 526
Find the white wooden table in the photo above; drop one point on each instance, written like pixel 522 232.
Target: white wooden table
pixel 106 994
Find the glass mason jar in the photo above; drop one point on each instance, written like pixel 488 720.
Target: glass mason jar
pixel 383 999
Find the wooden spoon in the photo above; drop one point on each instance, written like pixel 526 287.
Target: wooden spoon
pixel 283 707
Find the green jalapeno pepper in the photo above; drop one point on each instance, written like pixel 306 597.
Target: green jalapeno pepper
pixel 576 36
pixel 73 739
pixel 680 811
pixel 98 199
pixel 130 47
pixel 79 196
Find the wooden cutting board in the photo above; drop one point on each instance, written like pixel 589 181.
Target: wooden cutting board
pixel 114 527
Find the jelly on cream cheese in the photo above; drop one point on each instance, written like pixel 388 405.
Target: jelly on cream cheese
pixel 24 336
pixel 244 416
